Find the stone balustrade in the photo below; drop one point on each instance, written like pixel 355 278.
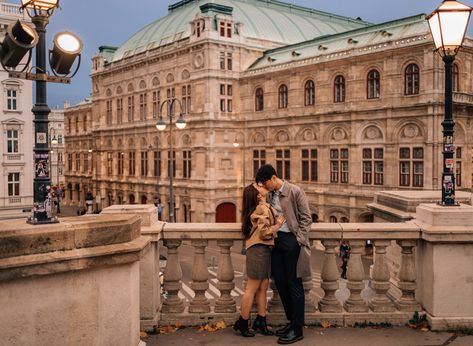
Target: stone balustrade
pixel 200 309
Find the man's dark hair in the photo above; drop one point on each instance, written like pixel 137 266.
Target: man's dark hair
pixel 265 173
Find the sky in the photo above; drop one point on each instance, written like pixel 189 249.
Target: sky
pixel 112 22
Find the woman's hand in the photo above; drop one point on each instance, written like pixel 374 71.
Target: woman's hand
pixel 280 220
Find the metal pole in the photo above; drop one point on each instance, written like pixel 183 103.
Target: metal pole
pixel 42 180
pixel 58 210
pixel 448 176
pixel 171 164
pixel 97 162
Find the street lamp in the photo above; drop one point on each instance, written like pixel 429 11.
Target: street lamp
pixel 18 42
pixel 448 25
pixel 161 126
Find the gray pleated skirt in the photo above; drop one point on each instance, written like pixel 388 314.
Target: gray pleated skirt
pixel 258 262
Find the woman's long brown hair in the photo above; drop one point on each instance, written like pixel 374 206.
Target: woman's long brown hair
pixel 250 201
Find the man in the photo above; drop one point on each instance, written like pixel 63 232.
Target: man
pixel 290 260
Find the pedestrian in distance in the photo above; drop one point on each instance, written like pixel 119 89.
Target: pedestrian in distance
pixel 259 226
pixel 290 260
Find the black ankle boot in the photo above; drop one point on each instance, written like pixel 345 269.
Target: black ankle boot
pixel 283 330
pixel 260 325
pixel 242 326
pixel 293 335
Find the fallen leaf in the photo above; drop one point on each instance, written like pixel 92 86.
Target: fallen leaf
pixel 325 324
pixel 424 329
pixel 143 334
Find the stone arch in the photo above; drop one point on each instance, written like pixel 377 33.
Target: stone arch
pixel 410 131
pixel 225 212
pixel 282 136
pixel 371 133
pixel 307 134
pixel 338 214
pixel 185 75
pixel 130 87
pixel 170 78
pixel 186 140
pixel 119 90
pixel 366 217
pixel 142 84
pixel 131 143
pixel 337 134
pixel 460 133
pixel 155 81
pixel 258 138
pixel 108 92
pixel 143 143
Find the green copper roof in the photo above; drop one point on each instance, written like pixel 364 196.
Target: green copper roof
pixel 271 20
pixel 377 34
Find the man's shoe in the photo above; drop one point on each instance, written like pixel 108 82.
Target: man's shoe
pixel 293 335
pixel 283 331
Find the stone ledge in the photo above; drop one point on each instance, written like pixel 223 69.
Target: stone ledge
pixel 449 323
pixel 146 212
pixel 18 238
pixel 78 259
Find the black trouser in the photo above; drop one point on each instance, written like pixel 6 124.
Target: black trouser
pixel 284 259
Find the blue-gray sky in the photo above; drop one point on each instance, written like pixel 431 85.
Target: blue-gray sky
pixel 112 22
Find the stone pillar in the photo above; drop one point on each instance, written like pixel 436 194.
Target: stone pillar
pixel 355 275
pixel 150 290
pixel 381 276
pixel 407 277
pixel 172 278
pixel 200 279
pixel 225 277
pixel 330 275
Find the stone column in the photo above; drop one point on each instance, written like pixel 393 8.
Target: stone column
pixel 200 278
pixel 172 278
pixel 225 276
pixel 150 290
pixel 330 276
pixel 381 276
pixel 407 277
pixel 355 275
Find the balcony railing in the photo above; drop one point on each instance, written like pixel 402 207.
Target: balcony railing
pixel 10 9
pixel 463 98
pixel 380 307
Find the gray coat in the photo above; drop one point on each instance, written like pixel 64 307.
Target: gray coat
pixel 297 213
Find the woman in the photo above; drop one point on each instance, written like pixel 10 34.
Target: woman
pixel 259 226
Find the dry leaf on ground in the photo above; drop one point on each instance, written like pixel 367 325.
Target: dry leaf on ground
pixel 325 324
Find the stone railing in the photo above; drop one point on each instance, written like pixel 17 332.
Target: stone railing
pixel 464 98
pixel 10 9
pixel 380 308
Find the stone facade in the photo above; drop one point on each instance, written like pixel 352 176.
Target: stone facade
pixel 16 183
pixel 344 116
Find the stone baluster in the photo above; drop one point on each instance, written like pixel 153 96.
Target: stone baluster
pixel 407 278
pixel 200 279
pixel 309 299
pixel 381 276
pixel 172 278
pixel 275 304
pixel 225 276
pixel 330 276
pixel 355 275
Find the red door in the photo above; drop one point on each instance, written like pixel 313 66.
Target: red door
pixel 226 212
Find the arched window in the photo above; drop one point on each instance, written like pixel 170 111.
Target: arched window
pixel 411 80
pixel 339 89
pixel 259 99
pixel 282 96
pixel 309 99
pixel 455 79
pixel 373 84
pixel 333 219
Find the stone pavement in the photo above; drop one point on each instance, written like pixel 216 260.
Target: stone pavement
pixel 315 336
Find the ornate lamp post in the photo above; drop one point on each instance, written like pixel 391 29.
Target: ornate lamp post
pixel 161 126
pixel 448 25
pixel 19 41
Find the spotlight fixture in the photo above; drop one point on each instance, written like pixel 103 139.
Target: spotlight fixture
pixel 67 47
pixel 18 41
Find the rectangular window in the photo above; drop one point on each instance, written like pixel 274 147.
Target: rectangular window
pixel 157 164
pixel 119 111
pixel 12 141
pixel 222 29
pixel 143 106
pixel 186 99
pixel 77 162
pixel 109 163
pixel 186 163
pixel 222 60
pixel 59 139
pixel 458 167
pixel 309 164
pixel 131 163
pixel 222 105
pixel 131 108
pixel 156 102
pixel 226 101
pixel 198 29
pixel 229 61
pixel 173 164
pixel 229 30
pixel 59 157
pixel 121 164
pixel 259 159
pixel 86 162
pixel 13 184
pixel 69 162
pixel 109 112
pixel 283 163
pixel 373 165
pixel 339 166
pixel 11 100
pixel 144 163
pixel 411 168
